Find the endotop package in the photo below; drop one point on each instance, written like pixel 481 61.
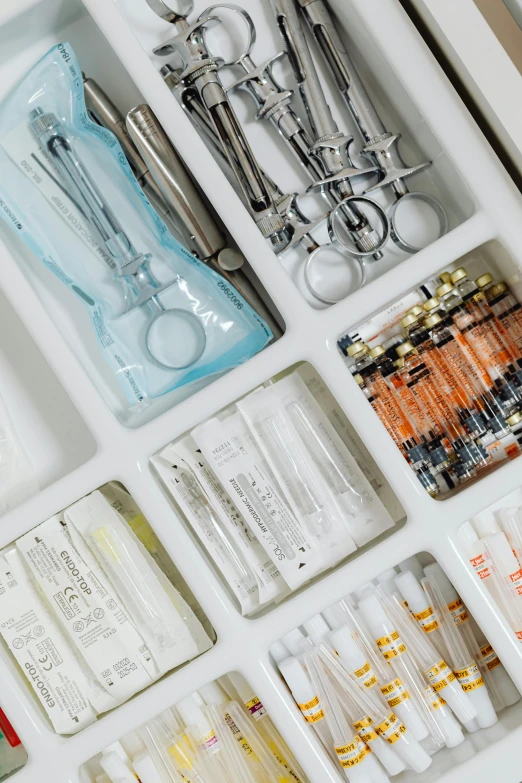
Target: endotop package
pixel 162 318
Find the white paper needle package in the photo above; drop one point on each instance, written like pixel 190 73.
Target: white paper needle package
pixel 162 318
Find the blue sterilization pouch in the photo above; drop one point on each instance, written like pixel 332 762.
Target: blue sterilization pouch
pixel 162 318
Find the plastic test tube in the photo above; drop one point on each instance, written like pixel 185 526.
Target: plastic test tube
pixel 444 727
pixel 436 671
pixel 462 659
pixel 419 605
pixel 499 682
pixel 351 656
pixel 307 700
pixel 358 764
pixel 378 718
pixel 391 648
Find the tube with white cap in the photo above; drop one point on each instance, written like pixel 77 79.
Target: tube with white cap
pixel 352 752
pixel 478 556
pixel 418 603
pixel 412 564
pixel 308 701
pixel 377 719
pixel 507 575
pixel 436 672
pixel 502 690
pixel 392 649
pixel 115 767
pixel 214 756
pixel 461 658
pixel 146 769
pixel 353 659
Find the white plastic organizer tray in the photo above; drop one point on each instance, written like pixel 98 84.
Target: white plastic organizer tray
pixel 91 446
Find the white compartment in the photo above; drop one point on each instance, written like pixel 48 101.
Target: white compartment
pixel 335 276
pixel 70 22
pixel 448 763
pixel 55 437
pixel 491 257
pixel 489 213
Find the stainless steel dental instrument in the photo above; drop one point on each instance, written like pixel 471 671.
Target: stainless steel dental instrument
pixel 200 73
pixel 298 225
pixel 129 263
pixel 330 145
pixel 380 144
pixel 273 102
pixel 170 176
pixel 102 109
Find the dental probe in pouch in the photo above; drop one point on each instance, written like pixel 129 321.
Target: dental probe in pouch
pixel 170 175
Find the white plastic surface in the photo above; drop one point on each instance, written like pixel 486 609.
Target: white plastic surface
pixel 102 449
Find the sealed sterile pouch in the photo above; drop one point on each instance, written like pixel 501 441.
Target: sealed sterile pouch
pixel 306 492
pixel 172 633
pixel 224 552
pixel 41 649
pixel 88 608
pixel 160 561
pixel 162 318
pixel 235 459
pixel 270 582
pixel 17 478
pixel 361 508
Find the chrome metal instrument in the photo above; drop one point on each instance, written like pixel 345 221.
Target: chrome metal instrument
pixel 200 72
pixel 129 263
pixel 380 144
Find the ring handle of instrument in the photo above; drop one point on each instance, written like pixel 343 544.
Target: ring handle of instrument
pixel 427 198
pixel 167 13
pixel 312 258
pixel 333 228
pixel 249 24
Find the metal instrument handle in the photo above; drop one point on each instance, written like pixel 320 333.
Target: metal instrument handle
pixel 249 24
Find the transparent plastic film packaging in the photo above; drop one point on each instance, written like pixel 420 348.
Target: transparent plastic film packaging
pixel 238 463
pixel 265 574
pixel 196 507
pixel 353 754
pixel 365 515
pixel 461 658
pixel 88 608
pixel 162 318
pixel 17 477
pixel 41 648
pixel 171 632
pixel 375 720
pixel 342 426
pixel 501 688
pixel 306 492
pixel 265 726
pixel 219 753
pixel 436 671
pixel 173 754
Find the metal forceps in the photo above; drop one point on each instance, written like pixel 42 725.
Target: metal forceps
pixel 380 144
pixel 182 325
pixel 199 72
